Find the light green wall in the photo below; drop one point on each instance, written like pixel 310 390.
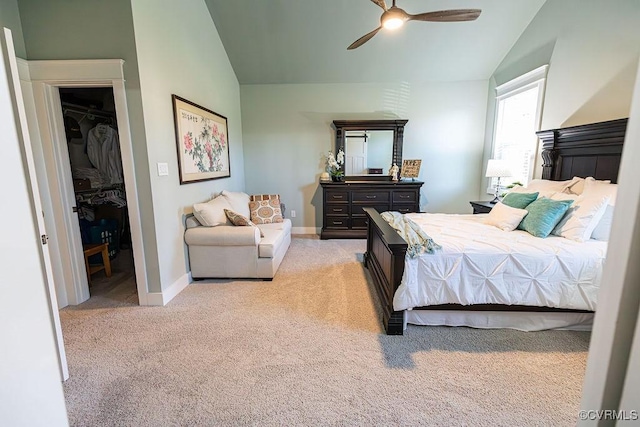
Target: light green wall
pixel 94 29
pixel 287 131
pixel 10 18
pixel 592 49
pixel 189 61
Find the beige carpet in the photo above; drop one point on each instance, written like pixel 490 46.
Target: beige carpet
pixel 307 349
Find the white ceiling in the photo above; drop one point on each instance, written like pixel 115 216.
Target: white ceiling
pixel 305 41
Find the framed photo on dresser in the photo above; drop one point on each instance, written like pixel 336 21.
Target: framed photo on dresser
pixel 410 168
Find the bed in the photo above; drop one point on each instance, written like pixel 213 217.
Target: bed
pixel 587 150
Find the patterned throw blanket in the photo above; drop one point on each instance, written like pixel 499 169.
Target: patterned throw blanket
pixel 419 241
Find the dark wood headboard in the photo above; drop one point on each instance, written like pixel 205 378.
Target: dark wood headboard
pixel 586 150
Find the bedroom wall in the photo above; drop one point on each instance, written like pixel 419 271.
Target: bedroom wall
pixel 592 48
pixel 93 29
pixel 189 61
pixel 10 18
pixel 286 131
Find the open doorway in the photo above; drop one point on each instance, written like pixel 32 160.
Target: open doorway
pixel 95 162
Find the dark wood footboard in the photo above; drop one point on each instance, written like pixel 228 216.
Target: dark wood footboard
pixel 385 260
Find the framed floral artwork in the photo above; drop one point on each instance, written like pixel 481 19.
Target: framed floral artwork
pixel 203 142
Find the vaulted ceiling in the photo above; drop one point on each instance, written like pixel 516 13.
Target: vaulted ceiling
pixel 305 41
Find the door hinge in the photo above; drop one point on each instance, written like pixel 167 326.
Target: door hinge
pixel 44 239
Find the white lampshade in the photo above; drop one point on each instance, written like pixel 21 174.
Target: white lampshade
pixel 498 168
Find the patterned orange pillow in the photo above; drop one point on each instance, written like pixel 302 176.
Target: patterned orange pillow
pixel 237 219
pixel 240 220
pixel 265 209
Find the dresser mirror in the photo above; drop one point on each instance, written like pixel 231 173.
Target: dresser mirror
pixel 370 147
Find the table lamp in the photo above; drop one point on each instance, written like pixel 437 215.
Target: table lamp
pixel 497 168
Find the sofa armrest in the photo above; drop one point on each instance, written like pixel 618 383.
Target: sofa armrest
pixel 222 235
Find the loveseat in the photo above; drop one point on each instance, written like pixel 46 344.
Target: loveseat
pixel 225 250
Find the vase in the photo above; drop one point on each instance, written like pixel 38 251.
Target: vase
pixel 337 178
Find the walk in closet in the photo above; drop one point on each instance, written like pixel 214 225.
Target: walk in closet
pixel 96 168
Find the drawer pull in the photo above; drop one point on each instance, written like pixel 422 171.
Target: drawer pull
pixel 404 196
pixel 337 222
pixel 403 210
pixel 371 197
pixel 335 196
pixel 337 210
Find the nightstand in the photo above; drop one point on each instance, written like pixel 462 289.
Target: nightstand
pixel 481 207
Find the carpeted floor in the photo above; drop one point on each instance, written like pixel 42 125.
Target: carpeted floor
pixel 306 349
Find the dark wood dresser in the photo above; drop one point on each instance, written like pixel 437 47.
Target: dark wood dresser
pixel 342 214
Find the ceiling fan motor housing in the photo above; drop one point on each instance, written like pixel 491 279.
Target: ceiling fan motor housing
pixel 393 17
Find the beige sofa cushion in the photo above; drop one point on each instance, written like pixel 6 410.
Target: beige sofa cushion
pixel 274 237
pixel 222 236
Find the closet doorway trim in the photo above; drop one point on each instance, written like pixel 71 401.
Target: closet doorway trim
pixel 46 77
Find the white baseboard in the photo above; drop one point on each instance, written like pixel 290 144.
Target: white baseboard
pixel 305 230
pixel 162 298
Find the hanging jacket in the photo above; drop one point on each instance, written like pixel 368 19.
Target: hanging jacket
pixel 103 149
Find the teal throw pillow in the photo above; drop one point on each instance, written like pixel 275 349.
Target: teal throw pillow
pixel 519 200
pixel 544 214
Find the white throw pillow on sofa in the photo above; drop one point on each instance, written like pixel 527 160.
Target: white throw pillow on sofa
pixel 582 217
pixel 212 213
pixel 239 202
pixel 505 217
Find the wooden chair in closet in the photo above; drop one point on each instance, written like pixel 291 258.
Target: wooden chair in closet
pixel 93 249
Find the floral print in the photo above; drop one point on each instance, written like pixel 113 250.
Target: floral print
pixel 207 148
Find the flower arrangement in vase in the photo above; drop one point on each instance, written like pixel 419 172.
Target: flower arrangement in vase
pixel 333 166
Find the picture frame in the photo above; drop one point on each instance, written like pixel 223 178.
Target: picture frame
pixel 202 140
pixel 410 168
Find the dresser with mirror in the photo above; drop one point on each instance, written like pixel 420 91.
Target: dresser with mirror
pixel 370 147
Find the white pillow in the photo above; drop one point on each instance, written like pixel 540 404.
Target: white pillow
pixel 239 202
pixel 546 186
pixel 581 218
pixel 212 213
pixel 505 217
pixel 603 229
pixel 541 193
pixel 597 188
pixel 578 186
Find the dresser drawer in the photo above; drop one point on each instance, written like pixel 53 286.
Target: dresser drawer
pixel 370 196
pixel 405 208
pixel 336 222
pixel 337 196
pixel 359 223
pixel 404 196
pixel 358 210
pixel 335 209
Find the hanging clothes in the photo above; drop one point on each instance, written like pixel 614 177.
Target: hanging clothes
pixel 103 149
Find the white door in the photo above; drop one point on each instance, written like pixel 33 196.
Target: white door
pixel 10 66
pixel 355 156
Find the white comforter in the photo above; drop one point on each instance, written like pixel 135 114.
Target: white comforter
pixel 481 264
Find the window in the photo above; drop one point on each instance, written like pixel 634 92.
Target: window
pixel 518 112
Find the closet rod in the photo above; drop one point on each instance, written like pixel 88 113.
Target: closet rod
pixel 80 109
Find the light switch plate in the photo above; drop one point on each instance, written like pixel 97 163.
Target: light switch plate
pixel 163 169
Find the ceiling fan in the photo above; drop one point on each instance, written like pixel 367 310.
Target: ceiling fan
pixel 394 17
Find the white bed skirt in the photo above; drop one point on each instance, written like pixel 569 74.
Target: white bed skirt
pixel 522 321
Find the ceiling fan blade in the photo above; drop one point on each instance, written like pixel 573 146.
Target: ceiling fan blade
pixel 454 15
pixel 380 3
pixel 362 40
